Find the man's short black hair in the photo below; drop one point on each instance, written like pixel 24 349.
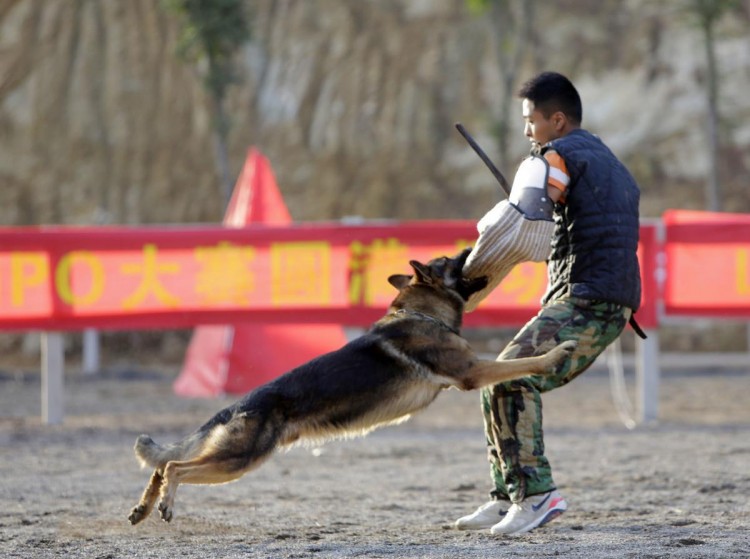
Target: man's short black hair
pixel 551 92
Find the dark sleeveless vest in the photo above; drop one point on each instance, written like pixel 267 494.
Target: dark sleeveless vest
pixel 596 228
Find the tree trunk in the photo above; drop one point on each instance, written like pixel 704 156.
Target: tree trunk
pixel 713 184
pixel 221 151
pixel 510 55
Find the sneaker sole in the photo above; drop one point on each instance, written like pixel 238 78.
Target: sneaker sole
pixel 550 516
pixel 479 526
pixel 485 526
pixel 474 526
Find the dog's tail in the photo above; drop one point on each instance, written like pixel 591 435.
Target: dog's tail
pixel 150 453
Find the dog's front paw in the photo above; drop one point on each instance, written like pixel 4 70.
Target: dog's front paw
pixel 165 511
pixel 568 346
pixel 561 352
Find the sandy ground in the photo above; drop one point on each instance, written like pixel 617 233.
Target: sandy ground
pixel 675 489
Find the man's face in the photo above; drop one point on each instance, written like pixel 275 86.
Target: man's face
pixel 538 129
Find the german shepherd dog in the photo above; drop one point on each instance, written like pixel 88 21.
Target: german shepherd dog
pixel 395 369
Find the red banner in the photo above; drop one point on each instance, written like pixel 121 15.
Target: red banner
pixel 648 251
pixel 708 264
pixel 123 278
pixel 69 278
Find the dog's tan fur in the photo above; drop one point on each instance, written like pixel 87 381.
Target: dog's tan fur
pixel 397 368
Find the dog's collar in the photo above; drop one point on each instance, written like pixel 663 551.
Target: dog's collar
pixel 426 317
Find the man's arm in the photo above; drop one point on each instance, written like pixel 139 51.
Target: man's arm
pixel 554 193
pixel 559 178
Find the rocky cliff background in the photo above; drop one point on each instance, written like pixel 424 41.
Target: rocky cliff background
pixel 353 101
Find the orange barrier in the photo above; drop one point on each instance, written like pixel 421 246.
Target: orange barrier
pixel 237 357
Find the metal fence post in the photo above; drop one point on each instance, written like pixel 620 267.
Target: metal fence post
pixel 90 358
pixel 53 363
pixel 647 376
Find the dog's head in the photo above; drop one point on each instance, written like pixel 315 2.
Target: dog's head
pixel 442 272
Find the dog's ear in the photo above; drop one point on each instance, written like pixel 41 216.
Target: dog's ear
pixel 461 257
pixel 467 287
pixel 399 281
pixel 424 274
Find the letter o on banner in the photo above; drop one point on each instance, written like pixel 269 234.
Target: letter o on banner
pixel 63 278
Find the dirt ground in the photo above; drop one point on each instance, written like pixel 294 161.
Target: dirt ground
pixel 678 488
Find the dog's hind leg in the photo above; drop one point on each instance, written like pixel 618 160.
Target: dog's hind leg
pixel 203 470
pixel 148 499
pixel 231 451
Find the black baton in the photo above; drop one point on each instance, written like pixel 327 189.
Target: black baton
pixel 483 156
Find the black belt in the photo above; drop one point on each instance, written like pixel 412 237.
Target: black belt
pixel 636 327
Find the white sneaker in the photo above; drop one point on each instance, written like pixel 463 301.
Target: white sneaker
pixel 486 516
pixel 533 512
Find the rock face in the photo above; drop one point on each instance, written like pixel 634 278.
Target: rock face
pixel 353 103
pixel 99 122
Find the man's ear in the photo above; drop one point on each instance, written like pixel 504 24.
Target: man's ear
pixel 559 121
pixel 422 271
pixel 467 287
pixel 399 281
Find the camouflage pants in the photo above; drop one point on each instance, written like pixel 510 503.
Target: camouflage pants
pixel 513 410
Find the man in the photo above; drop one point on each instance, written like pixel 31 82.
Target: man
pixel 591 205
